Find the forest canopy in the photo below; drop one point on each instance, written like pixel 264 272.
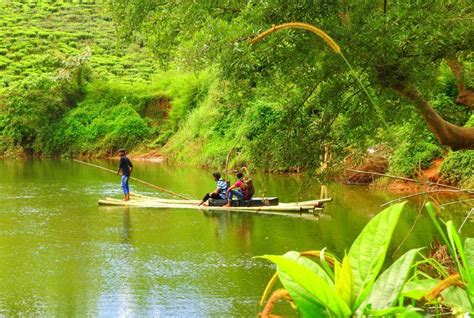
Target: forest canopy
pixel 398 46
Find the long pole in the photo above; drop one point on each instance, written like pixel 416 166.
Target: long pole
pixel 133 178
pixel 470 191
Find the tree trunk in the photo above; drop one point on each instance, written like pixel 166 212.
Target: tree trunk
pixel 453 136
pixel 465 94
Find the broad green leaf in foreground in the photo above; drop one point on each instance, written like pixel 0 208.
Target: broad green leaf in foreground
pixel 368 251
pixel 344 280
pixel 469 249
pixel 388 286
pixel 399 312
pixel 459 255
pixel 310 283
pixel 457 299
pixel 419 288
pixel 318 270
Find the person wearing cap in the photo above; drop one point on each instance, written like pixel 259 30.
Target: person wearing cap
pixel 126 167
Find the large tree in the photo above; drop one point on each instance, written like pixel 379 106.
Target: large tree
pixel 396 47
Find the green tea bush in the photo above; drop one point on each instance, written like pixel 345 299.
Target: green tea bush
pixel 58 29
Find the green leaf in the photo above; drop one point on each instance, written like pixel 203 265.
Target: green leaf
pixel 455 240
pixel 469 249
pixel 399 312
pixel 368 251
pixel 344 280
pixel 307 306
pixel 303 284
pixel 318 270
pixel 418 289
pixel 432 213
pixel 324 264
pixel 457 299
pixel 390 283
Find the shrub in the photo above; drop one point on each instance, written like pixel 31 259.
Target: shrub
pixel 415 148
pixel 458 168
pixel 186 91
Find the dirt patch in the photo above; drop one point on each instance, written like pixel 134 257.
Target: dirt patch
pixel 152 156
pixel 433 172
pixel 157 108
pixel 399 186
pixel 371 164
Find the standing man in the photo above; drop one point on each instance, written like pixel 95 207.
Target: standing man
pixel 126 167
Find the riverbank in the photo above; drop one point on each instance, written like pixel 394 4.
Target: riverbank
pixel 429 179
pixel 425 180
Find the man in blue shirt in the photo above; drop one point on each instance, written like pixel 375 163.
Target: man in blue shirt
pixel 220 192
pixel 126 167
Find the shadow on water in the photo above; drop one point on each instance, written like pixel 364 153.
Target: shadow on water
pixel 61 254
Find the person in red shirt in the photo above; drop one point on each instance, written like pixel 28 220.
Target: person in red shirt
pixel 238 189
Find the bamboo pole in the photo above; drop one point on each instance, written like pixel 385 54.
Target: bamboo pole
pixel 470 191
pixel 418 194
pixel 133 178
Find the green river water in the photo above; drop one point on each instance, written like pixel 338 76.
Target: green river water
pixel 61 254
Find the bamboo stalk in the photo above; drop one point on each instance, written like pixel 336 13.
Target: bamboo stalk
pixel 417 194
pixel 133 178
pixel 455 202
pixel 470 191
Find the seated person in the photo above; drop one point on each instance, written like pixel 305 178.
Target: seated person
pixel 238 189
pixel 220 192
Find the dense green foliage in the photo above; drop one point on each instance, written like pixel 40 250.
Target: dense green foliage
pixel 458 167
pixel 293 95
pixel 276 105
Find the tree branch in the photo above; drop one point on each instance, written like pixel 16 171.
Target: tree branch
pixel 453 136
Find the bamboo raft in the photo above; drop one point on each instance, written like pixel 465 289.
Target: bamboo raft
pixel 293 208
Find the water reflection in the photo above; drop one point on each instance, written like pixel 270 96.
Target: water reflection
pixel 127 226
pixel 226 223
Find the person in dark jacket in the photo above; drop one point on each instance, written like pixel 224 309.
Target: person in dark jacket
pixel 126 167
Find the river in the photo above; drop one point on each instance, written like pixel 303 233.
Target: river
pixel 61 254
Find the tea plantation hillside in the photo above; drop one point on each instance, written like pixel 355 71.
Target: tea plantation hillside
pixel 68 86
pixel 36 37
